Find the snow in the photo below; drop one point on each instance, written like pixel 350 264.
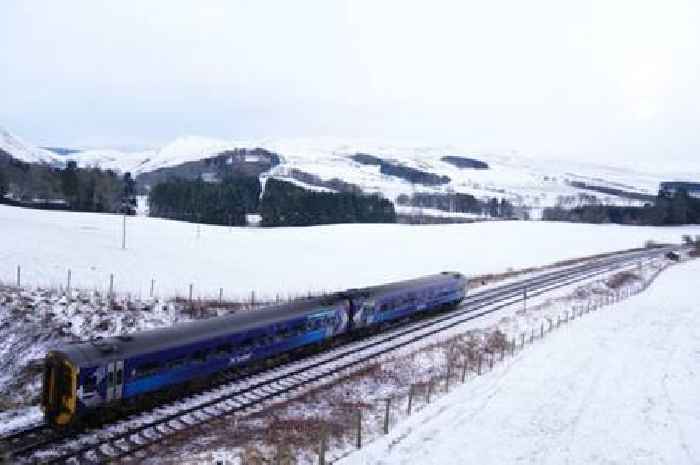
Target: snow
pixel 524 179
pixel 616 386
pixel 284 261
pixel 433 212
pixel 23 151
pixel 181 150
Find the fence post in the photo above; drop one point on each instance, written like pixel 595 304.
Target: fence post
pixel 522 341
pixel 153 287
pixel 252 298
pixel 410 400
pixel 512 348
pixel 478 369
pixel 464 371
pixel 221 295
pixel 430 390
pixel 111 288
pixel 68 284
pixel 358 443
pixel 386 415
pixel 191 286
pixel 532 335
pixel 447 378
pixel 19 276
pixel 278 453
pixel 322 448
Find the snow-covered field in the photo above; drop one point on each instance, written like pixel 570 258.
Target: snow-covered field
pixel 618 386
pixel 288 261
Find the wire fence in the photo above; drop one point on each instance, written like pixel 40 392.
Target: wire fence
pixel 325 439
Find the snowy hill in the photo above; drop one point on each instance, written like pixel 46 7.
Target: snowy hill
pixel 393 170
pixel 522 179
pixel 23 151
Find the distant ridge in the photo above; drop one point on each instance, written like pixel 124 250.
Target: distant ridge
pixel 23 151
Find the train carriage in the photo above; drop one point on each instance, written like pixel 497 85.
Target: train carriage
pixel 80 378
pixel 396 301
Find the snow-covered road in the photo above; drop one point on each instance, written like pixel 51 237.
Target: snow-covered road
pixel 620 386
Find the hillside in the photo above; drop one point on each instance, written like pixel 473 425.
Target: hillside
pixel 397 170
pixel 18 149
pixel 618 386
pixel 392 170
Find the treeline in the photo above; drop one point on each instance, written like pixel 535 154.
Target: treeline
pixel 69 188
pixel 459 203
pixel 284 204
pixel 412 175
pixel 224 203
pixel 465 162
pixel 675 209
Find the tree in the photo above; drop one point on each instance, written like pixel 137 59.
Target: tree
pixel 493 209
pixel 128 197
pixel 3 184
pixel 285 204
pixel 70 183
pixel 224 203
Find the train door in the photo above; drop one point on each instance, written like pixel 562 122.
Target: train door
pixel 351 310
pixel 115 380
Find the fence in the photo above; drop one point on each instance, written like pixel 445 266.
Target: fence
pixel 325 440
pixel 353 425
pixel 108 293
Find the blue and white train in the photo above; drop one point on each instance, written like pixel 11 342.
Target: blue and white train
pixel 83 377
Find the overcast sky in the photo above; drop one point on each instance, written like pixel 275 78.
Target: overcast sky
pixel 598 80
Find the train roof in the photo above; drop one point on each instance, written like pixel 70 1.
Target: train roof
pixel 154 340
pixel 120 347
pixel 425 281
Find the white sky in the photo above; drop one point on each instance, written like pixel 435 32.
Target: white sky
pixel 599 80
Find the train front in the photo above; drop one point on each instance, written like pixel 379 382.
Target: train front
pixel 59 386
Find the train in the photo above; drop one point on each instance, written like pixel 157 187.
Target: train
pixel 83 378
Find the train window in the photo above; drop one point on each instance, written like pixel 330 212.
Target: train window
pixel 200 355
pixel 176 363
pixel 90 384
pixel 285 333
pixel 223 349
pixel 147 369
pixel 245 345
pixel 120 379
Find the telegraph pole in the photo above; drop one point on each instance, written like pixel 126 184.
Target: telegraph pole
pixel 124 231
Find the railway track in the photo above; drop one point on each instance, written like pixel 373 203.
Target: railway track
pixel 126 438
